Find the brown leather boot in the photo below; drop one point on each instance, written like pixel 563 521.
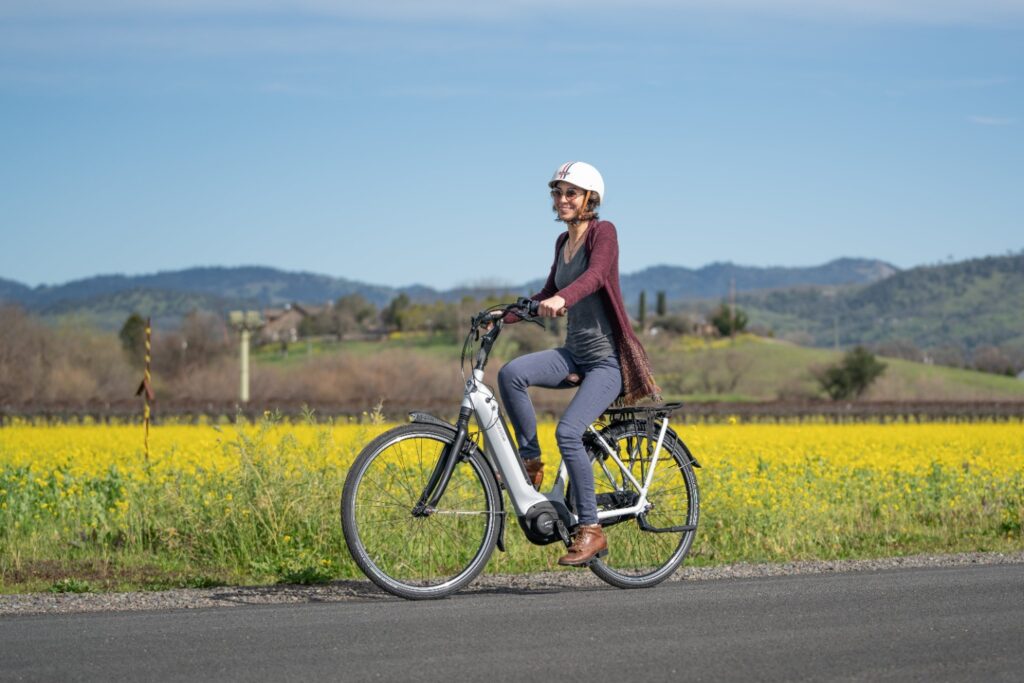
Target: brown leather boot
pixel 535 471
pixel 590 542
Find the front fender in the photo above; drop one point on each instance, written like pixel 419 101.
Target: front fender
pixel 427 418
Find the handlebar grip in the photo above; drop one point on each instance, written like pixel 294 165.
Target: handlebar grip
pixel 528 305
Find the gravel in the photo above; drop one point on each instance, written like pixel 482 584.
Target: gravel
pixel 364 591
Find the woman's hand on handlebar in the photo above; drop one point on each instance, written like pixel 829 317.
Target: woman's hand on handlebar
pixel 552 308
pixel 524 309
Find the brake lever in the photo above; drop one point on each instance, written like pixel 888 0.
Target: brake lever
pixel 480 319
pixel 476 321
pixel 526 309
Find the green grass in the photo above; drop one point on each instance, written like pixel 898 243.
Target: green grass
pixel 748 369
pixel 767 369
pixel 435 345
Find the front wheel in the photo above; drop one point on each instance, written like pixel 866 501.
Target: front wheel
pixel 645 551
pixel 418 557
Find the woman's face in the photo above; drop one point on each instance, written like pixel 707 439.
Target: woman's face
pixel 568 200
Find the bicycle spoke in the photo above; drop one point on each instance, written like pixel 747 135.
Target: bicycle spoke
pixel 402 552
pixel 637 557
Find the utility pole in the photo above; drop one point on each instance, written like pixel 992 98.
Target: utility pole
pixel 245 322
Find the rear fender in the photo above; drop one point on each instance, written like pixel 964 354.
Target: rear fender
pixel 686 449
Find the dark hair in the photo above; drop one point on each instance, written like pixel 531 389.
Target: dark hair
pixel 589 214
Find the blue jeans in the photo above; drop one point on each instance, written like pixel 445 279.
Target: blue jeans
pixel 602 384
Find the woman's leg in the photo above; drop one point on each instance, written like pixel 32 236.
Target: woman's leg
pixel 601 385
pixel 542 369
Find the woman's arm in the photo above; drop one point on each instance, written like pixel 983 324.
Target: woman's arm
pixel 603 256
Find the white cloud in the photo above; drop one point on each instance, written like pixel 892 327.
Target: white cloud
pixel 992 120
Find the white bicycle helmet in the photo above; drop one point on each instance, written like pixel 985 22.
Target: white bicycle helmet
pixel 582 175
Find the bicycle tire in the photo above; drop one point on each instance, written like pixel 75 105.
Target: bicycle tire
pixel 639 558
pixel 426 557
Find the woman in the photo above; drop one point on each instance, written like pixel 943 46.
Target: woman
pixel 602 355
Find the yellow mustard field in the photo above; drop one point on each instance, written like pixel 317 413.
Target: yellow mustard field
pixel 260 502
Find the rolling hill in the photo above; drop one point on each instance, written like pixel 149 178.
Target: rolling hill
pixel 853 301
pixel 172 294
pixel 966 304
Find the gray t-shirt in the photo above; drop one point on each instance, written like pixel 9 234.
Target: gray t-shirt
pixel 590 336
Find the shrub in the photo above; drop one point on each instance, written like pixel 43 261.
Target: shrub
pixel 728 320
pixel 675 324
pixel 851 376
pixel 992 359
pixel 133 338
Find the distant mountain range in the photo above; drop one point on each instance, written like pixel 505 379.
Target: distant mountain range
pixel 107 299
pixel 965 304
pixel 714 281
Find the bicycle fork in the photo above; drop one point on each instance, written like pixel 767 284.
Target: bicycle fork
pixel 441 476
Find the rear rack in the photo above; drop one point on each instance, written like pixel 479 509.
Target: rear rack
pixel 645 419
pixel 637 412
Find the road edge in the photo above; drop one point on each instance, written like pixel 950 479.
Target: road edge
pixel 23 604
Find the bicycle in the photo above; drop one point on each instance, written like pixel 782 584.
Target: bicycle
pixel 422 508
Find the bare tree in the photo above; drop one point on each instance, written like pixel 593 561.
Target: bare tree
pixel 24 348
pixel 735 365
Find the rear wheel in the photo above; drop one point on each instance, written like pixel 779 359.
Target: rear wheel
pixel 426 556
pixel 645 550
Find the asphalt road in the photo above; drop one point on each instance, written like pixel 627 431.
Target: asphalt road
pixel 963 623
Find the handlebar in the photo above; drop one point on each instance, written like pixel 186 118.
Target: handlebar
pixel 523 308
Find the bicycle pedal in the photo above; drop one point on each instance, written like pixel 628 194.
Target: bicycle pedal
pixel 563 533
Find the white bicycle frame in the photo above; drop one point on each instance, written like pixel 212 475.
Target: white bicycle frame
pixel 479 398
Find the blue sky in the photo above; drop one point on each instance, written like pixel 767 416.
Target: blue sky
pixel 411 142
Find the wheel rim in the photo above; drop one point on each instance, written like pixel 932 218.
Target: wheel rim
pixel 419 552
pixel 635 554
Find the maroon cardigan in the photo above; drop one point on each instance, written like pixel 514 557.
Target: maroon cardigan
pixel 602 274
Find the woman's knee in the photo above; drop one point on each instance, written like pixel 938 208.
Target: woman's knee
pixel 508 377
pixel 569 432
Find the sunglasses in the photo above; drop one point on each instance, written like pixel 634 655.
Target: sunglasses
pixel 571 193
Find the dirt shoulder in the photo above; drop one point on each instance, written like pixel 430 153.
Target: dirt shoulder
pixel 341 591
